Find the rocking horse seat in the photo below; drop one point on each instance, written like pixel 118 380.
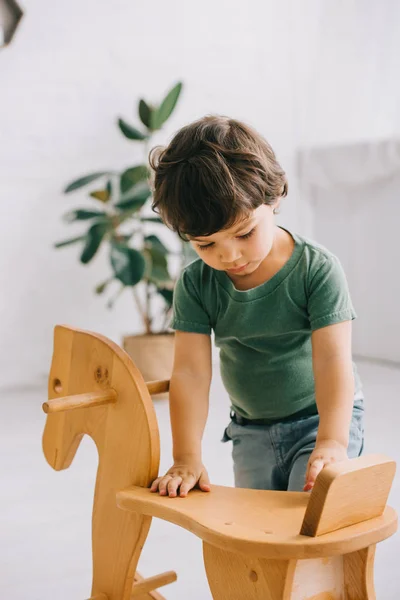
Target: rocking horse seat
pixel 258 523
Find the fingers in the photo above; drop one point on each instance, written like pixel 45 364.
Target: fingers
pixel 172 486
pixel 161 484
pixel 187 485
pixel 179 481
pixel 169 485
pixel 313 471
pixel 204 482
pixel 154 485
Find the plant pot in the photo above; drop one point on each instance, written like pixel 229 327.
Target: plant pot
pixel 153 354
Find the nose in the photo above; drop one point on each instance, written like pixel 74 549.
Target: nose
pixel 230 254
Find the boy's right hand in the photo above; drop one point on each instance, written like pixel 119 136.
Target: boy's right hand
pixel 182 476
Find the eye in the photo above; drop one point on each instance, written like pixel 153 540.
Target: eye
pixel 247 235
pixel 205 247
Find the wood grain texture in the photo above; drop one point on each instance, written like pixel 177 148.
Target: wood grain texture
pixel 258 523
pixel 319 579
pixel 236 576
pixel 157 387
pixel 147 595
pixel 79 401
pixel 126 436
pixel 152 583
pixel 359 574
pixel 347 493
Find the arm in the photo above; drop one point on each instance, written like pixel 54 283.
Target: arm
pixel 334 390
pixel 189 401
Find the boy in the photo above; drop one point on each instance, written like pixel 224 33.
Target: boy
pixel 280 310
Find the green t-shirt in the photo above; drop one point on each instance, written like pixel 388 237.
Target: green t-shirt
pixel 264 333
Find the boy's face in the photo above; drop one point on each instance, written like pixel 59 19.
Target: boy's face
pixel 240 249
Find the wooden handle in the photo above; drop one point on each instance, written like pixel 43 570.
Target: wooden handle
pixel 348 492
pixel 152 583
pixel 157 387
pixel 79 401
pixel 99 597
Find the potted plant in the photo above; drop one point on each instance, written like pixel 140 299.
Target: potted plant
pixel 139 260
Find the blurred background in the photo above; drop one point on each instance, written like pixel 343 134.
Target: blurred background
pixel 319 79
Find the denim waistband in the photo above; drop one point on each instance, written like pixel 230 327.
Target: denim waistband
pixel 305 412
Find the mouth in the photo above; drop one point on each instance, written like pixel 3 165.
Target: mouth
pixel 238 269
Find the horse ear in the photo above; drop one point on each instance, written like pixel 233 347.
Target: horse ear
pixel 59 442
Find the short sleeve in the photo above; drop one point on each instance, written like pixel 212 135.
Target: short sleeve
pixel 188 312
pixel 329 299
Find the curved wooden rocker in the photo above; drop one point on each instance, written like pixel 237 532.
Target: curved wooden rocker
pixel 258 545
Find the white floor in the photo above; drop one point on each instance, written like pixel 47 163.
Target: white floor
pixel 45 516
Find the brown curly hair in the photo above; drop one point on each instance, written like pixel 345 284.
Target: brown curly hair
pixel 214 173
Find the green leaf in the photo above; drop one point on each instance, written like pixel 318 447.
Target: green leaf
pixel 102 195
pixel 154 242
pixel 78 183
pixel 135 199
pixel 94 238
pixel 130 132
pixel 129 208
pixel 132 176
pixel 112 301
pixel 145 113
pixel 167 294
pixel 99 289
pixel 159 267
pixel 70 241
pixel 166 107
pixel 81 214
pixel 152 219
pixel 128 264
pixel 119 238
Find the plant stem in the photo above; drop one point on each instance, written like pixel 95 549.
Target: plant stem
pixel 139 307
pixel 112 301
pixel 146 314
pixel 166 318
pixel 148 307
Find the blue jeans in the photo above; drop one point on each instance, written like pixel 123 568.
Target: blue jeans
pixel 275 457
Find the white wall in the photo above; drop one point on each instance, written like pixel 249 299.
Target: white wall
pixel 361 226
pixel 73 67
pixel 354 191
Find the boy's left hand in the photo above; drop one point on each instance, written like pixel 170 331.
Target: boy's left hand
pixel 325 452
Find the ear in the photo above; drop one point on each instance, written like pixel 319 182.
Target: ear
pixel 276 205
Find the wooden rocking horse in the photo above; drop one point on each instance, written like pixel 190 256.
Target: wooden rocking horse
pixel 258 545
